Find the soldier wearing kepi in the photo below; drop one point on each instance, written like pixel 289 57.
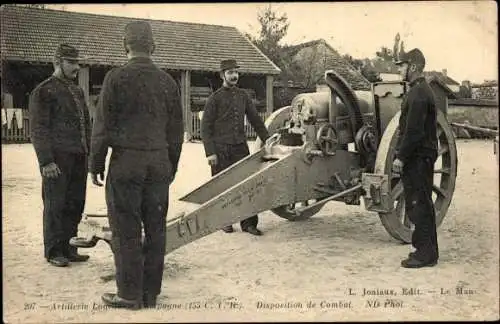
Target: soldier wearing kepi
pixel 60 133
pixel 415 158
pixel 138 115
pixel 223 132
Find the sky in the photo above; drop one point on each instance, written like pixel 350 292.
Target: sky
pixel 460 36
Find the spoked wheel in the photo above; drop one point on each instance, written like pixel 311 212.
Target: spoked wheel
pixel 397 222
pixel 276 120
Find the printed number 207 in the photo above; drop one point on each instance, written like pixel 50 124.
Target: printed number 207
pixel 29 306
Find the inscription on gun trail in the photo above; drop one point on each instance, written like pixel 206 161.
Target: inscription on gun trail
pixel 246 193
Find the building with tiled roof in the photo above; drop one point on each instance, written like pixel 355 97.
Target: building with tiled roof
pixel 386 70
pixel 31 35
pixel 315 57
pixel 190 52
pixel 445 78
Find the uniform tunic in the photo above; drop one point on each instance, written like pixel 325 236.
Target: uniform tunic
pixel 60 133
pixel 223 118
pixel 417 148
pixel 417 123
pixel 223 131
pixel 139 115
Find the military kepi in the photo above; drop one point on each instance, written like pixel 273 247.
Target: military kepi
pixel 138 32
pixel 414 56
pixel 67 52
pixel 228 64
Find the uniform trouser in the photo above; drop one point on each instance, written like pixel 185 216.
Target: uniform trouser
pixel 227 155
pixel 137 188
pixel 63 203
pixel 418 175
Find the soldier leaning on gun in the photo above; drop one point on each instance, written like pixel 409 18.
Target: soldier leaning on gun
pixel 139 115
pixel 415 158
pixel 223 131
pixel 60 133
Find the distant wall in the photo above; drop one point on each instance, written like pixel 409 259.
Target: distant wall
pixel 481 113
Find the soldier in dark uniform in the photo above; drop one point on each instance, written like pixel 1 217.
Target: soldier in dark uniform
pixel 415 158
pixel 223 132
pixel 60 133
pixel 138 115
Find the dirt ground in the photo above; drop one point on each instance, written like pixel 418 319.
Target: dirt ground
pixel 309 271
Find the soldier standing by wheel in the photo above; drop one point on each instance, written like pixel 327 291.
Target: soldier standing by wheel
pixel 60 133
pixel 223 132
pixel 416 154
pixel 139 115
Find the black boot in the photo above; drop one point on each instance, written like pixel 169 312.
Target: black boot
pixel 252 230
pixel 58 261
pixel 228 229
pixel 113 300
pixel 73 256
pixel 149 301
pixel 413 262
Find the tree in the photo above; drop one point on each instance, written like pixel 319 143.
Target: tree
pixel 362 66
pixel 371 75
pixel 398 49
pixel 395 48
pixel 392 55
pixel 356 63
pixel 402 48
pixel 309 67
pixel 385 53
pixel 273 28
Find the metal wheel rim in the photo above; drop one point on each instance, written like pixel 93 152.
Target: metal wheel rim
pixel 397 223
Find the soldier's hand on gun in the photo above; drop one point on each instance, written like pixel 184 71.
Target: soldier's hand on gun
pixel 397 167
pixel 95 179
pixel 51 170
pixel 212 159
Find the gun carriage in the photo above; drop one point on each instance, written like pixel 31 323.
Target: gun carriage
pixel 326 146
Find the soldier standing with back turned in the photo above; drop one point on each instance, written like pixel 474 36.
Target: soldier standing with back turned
pixel 139 115
pixel 415 158
pixel 223 131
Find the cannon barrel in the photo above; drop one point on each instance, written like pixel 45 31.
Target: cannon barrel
pixel 340 106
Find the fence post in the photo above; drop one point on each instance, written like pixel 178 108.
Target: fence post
pixel 269 93
pixel 186 103
pixel 15 134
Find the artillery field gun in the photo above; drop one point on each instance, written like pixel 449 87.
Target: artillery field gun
pixel 327 146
